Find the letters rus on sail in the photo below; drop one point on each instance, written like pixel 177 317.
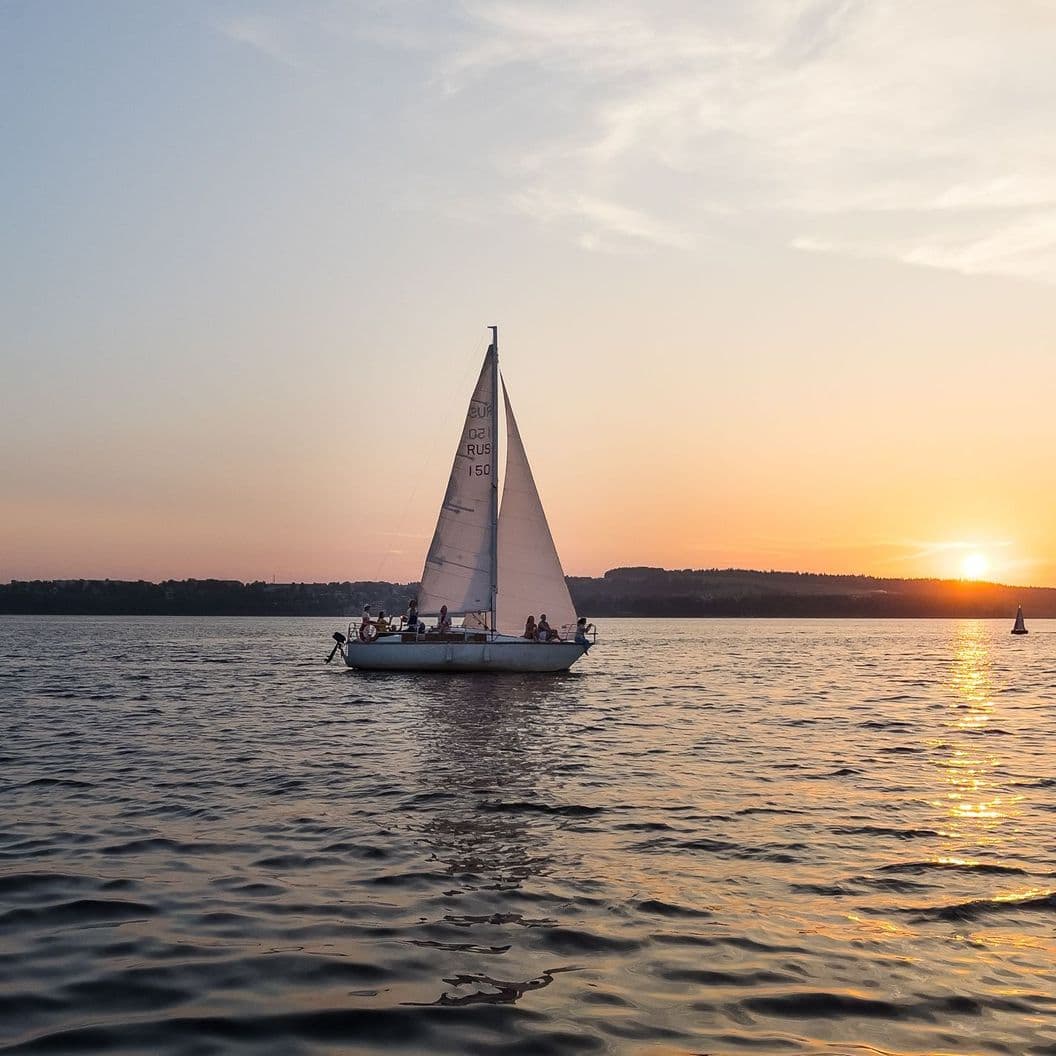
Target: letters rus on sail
pixel 457 569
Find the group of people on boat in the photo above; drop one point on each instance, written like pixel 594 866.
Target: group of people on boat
pixel 371 626
pixel 541 631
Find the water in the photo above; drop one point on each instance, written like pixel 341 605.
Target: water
pixel 712 836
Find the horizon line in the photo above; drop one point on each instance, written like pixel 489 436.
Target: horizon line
pixel 618 568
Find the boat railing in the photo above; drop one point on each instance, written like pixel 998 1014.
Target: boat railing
pixel 420 633
pixel 566 633
pixel 354 627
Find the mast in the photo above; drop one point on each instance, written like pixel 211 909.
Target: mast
pixel 494 472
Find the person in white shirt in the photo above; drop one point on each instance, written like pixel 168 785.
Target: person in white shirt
pixel 582 630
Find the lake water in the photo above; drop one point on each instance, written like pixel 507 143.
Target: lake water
pixel 710 837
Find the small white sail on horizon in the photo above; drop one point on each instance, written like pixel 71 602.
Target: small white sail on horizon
pixel 531 581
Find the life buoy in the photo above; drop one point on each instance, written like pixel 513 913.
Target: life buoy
pixel 367 632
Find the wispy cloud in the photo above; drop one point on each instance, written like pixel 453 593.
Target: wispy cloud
pixel 599 221
pixel 1020 245
pixel 263 33
pixel 918 133
pixel 819 114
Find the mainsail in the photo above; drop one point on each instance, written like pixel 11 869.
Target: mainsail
pixel 459 565
pixel 530 578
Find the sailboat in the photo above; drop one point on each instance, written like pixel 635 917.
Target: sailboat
pixel 495 567
pixel 1019 627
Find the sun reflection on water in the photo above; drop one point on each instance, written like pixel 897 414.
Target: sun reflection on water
pixel 975 804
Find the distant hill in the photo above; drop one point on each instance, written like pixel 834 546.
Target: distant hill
pixel 200 597
pixel 620 592
pixel 741 592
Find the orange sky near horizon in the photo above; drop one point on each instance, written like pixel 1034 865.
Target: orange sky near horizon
pixel 676 459
pixel 773 292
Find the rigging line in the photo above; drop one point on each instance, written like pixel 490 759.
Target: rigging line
pixel 456 564
pixel 459 382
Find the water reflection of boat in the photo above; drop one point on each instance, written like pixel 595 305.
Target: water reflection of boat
pixel 488 744
pixel 487 839
pixel 1019 627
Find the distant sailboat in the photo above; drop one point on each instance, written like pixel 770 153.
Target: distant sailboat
pixel 1019 627
pixel 494 567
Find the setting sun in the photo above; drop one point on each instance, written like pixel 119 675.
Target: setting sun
pixel 974 566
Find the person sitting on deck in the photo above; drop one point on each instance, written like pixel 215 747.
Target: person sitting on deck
pixel 382 622
pixel 543 633
pixel 529 629
pixel 443 623
pixel 582 630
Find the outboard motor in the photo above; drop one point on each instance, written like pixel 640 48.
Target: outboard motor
pixel 340 639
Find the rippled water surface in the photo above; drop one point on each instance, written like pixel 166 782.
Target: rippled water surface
pixel 711 836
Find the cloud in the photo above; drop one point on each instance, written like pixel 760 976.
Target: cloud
pixel 1008 191
pixel 1022 246
pixel 913 132
pixel 264 33
pixel 599 220
pixel 817 114
pixel 581 39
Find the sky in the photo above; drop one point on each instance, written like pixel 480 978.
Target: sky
pixel 775 282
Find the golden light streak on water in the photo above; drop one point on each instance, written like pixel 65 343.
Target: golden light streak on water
pixel 883 929
pixel 974 803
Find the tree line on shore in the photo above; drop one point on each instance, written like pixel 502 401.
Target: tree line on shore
pixel 636 592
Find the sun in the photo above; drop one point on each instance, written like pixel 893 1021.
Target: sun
pixel 974 566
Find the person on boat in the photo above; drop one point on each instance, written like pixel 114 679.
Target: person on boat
pixel 582 630
pixel 543 633
pixel 382 622
pixel 443 624
pixel 529 629
pixel 412 615
pixel 366 622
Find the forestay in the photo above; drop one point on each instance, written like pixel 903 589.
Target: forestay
pixel 530 578
pixel 458 566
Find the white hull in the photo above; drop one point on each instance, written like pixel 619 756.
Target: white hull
pixel 499 654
